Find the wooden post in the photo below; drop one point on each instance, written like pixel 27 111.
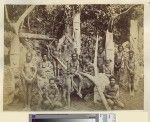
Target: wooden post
pixel 76 31
pixel 95 58
pixel 134 45
pixel 96 93
pixel 110 49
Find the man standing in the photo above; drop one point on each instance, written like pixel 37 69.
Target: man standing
pixel 73 69
pixel 119 62
pixel 29 72
pixel 100 59
pixel 131 71
pixel 88 66
pixel 111 93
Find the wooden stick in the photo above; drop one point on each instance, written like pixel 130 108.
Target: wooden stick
pixel 35 36
pixel 95 58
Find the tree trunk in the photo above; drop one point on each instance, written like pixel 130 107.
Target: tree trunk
pixel 95 58
pixel 15 45
pixel 76 32
pixel 15 56
pixel 134 46
pixel 110 49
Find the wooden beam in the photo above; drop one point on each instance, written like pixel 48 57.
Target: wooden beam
pixel 95 58
pixel 60 62
pixel 35 36
pixel 95 80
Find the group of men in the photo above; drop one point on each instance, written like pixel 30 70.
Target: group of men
pixel 121 64
pixel 49 71
pixel 124 66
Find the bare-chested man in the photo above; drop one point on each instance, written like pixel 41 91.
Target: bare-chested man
pixel 101 59
pixel 74 69
pixel 51 96
pixel 45 71
pixel 29 72
pixel 88 66
pixel 119 62
pixel 111 93
pixel 131 71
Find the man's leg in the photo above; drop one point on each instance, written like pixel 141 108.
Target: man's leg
pixel 80 85
pixel 64 95
pixel 120 104
pixel 110 102
pixel 25 91
pixel 129 80
pixel 79 91
pixel 26 94
pixel 132 85
pixel 29 94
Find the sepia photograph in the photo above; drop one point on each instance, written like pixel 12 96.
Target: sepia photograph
pixel 73 57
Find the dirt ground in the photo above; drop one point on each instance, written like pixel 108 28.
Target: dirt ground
pixel 78 104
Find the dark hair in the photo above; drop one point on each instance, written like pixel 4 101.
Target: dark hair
pixel 111 77
pixel 120 46
pixel 131 51
pixel 52 79
pixel 74 54
pixel 88 57
pixel 44 54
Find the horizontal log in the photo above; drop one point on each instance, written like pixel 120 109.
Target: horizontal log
pixel 35 36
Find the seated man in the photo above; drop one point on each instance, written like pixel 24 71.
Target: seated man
pixel 111 93
pixel 50 96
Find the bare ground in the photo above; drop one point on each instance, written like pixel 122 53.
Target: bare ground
pixel 78 104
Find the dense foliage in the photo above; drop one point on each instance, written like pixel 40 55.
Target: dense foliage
pixel 52 20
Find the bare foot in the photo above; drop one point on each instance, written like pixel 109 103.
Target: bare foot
pixel 26 108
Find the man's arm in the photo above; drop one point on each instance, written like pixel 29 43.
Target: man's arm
pixel 23 73
pixel 105 93
pixel 117 94
pixel 128 65
pixel 57 92
pixel 130 68
pixel 104 68
pixel 35 72
pixel 76 72
pixel 78 66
